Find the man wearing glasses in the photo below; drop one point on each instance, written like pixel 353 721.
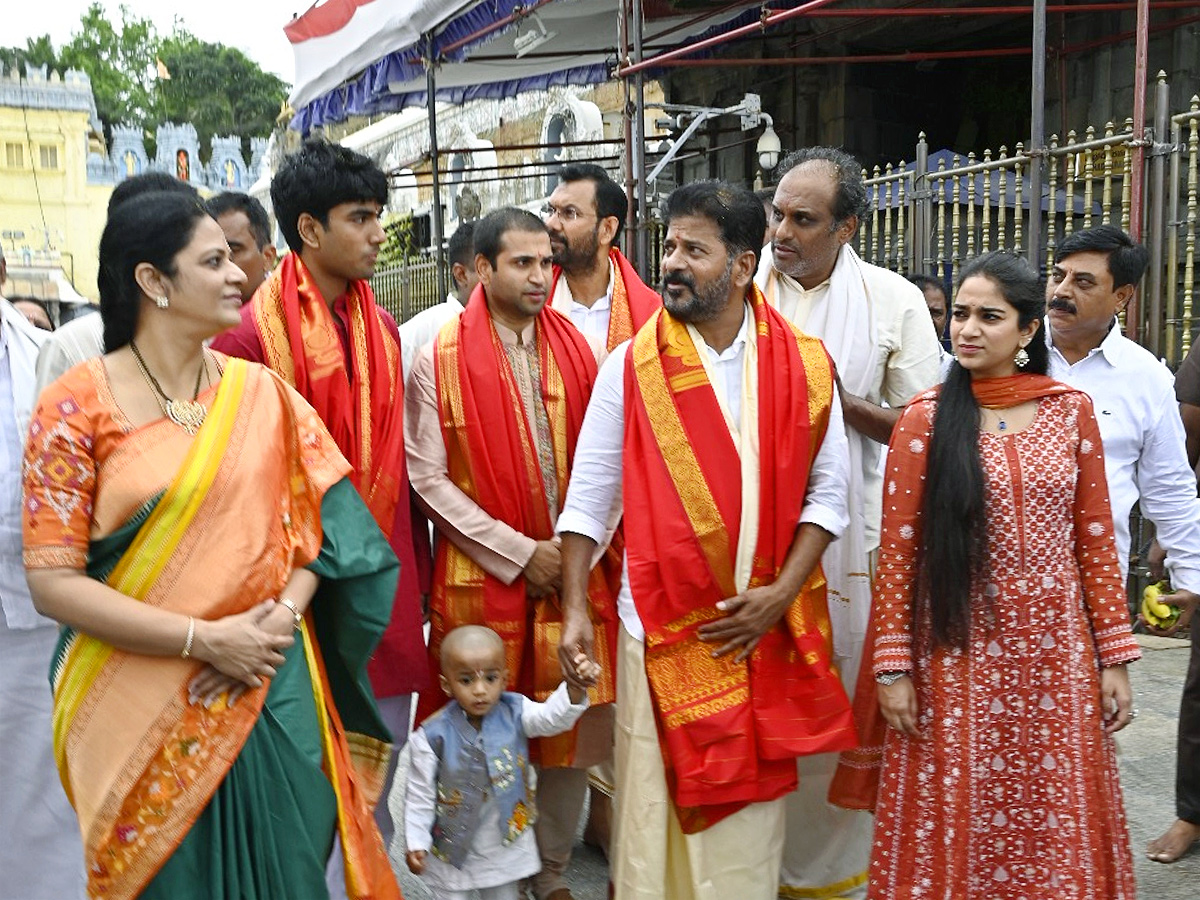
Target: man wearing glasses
pixel 594 285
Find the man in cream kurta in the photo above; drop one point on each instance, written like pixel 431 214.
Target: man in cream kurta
pixel 875 325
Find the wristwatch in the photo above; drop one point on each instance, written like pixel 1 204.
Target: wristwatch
pixel 889 678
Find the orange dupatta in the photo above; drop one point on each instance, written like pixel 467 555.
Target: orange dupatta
pixel 730 731
pixel 492 458
pixel 365 412
pixel 856 782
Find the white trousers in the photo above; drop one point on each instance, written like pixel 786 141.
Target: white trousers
pixel 41 851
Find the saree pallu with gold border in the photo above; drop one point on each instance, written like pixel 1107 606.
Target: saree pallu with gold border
pixel 729 732
pixel 492 458
pixel 239 800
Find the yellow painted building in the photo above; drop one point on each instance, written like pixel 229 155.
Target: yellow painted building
pixel 50 214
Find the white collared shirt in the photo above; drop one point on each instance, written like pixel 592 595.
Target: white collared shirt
pixel 596 476
pixel 1145 456
pixel 422 328
pixel 592 320
pixel 19 344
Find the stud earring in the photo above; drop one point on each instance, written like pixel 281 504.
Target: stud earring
pixel 1021 358
pixel 161 301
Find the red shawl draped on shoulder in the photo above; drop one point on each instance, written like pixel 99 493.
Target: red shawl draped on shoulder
pixel 362 406
pixel 730 732
pixel 632 302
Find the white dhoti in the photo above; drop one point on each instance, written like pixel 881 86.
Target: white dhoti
pixel 41 851
pixel 828 848
pixel 736 859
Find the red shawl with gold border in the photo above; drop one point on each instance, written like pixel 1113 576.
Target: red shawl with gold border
pixel 491 456
pixel 730 731
pixel 364 412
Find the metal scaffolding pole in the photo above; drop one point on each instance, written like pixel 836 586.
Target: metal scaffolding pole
pixel 1137 163
pixel 1037 135
pixel 435 207
pixel 638 148
pixel 1154 227
pixel 627 116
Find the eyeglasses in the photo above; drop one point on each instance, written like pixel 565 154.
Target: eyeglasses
pixel 564 213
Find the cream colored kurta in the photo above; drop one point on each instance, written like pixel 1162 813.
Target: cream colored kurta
pixel 500 549
pixel 876 327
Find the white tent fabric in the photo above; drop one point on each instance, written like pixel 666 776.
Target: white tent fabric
pixel 380 39
pixel 337 39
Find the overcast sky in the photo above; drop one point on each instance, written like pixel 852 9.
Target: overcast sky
pixel 253 26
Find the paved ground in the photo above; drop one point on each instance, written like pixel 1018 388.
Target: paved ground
pixel 1147 749
pixel 1147 753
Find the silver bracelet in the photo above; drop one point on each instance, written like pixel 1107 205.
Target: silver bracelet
pixel 889 678
pixel 297 616
pixel 187 644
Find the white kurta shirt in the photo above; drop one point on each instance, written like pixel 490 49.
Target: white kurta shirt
pixel 1145 457
pixel 79 340
pixel 422 328
pixel 490 862
pixel 596 477
pixel 592 320
pixel 19 345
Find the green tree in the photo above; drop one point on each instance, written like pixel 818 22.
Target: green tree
pixel 217 89
pixel 36 52
pixel 119 59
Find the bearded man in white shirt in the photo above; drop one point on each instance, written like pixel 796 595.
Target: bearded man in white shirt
pixel 594 285
pixel 875 325
pixel 723 667
pixel 1095 274
pixel 41 854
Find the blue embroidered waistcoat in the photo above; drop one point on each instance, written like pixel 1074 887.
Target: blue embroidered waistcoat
pixel 473 764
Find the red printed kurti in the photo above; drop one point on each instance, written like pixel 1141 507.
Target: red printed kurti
pixel 1012 792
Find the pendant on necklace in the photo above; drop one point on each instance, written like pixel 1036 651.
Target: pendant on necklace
pixel 187 414
pixel 1001 425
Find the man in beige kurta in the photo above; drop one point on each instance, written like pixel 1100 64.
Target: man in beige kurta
pixel 514 273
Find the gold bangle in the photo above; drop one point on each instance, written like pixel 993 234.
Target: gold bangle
pixel 297 616
pixel 187 644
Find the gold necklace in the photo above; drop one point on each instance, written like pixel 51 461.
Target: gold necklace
pixel 187 414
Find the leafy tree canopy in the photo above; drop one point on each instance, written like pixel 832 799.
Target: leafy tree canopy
pixel 215 88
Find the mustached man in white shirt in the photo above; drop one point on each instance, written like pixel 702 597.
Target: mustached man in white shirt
pixel 41 854
pixel 1094 276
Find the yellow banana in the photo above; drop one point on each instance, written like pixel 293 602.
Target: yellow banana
pixel 1154 611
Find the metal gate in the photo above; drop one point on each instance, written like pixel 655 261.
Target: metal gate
pixel 935 213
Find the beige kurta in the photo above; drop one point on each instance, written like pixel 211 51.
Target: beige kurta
pixel 499 548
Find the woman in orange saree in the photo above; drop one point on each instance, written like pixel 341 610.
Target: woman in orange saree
pixel 221 586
